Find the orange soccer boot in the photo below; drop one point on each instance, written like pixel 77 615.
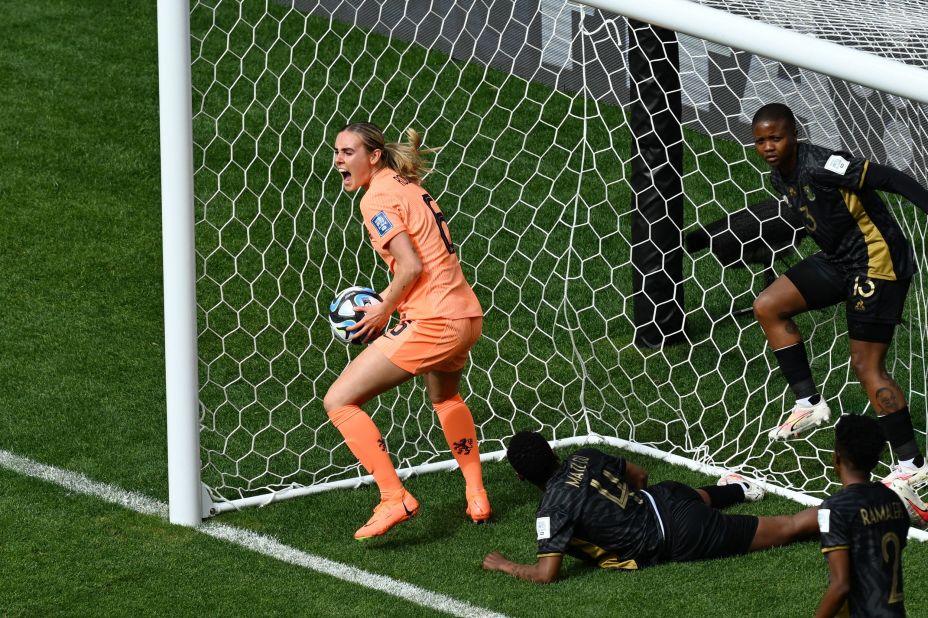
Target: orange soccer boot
pixel 387 514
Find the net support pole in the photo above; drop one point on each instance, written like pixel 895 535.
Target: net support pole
pixel 180 319
pixel 657 183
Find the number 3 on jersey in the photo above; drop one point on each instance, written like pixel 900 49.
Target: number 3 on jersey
pixel 441 222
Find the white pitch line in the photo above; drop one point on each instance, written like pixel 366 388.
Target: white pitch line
pixel 260 543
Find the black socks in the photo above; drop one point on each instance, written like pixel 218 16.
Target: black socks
pixel 794 363
pixel 901 435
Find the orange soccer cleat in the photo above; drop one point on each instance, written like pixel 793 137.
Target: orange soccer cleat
pixel 478 506
pixel 387 514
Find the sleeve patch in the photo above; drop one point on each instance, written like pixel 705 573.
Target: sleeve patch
pixel 824 520
pixel 382 223
pixel 837 164
pixel 543 528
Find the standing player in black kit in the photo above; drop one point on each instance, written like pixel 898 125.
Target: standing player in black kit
pixel 863 529
pixel 865 261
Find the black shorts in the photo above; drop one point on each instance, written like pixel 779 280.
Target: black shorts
pixel 873 306
pixel 695 531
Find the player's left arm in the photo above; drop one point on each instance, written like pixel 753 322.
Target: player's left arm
pixel 885 178
pixel 542 572
pixel 406 270
pixel 839 583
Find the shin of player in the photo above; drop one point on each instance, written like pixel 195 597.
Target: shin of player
pixel 865 261
pixel 440 320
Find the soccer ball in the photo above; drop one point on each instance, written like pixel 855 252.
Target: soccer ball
pixel 342 313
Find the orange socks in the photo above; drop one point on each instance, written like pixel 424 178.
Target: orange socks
pixel 458 425
pixel 366 443
pixel 364 439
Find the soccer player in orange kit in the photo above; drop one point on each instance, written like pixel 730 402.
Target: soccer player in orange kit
pixel 440 320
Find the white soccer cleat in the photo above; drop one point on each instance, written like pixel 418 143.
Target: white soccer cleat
pixel 752 491
pixel 801 419
pixel 918 510
pixel 907 474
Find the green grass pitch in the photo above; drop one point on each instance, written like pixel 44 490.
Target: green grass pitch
pixel 82 378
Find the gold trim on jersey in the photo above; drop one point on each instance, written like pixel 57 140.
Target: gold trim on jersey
pixel 863 174
pixel 615 563
pixel 845 610
pixel 604 559
pixel 622 499
pixel 556 553
pixel 825 550
pixel 879 262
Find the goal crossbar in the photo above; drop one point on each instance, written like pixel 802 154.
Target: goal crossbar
pixel 783 44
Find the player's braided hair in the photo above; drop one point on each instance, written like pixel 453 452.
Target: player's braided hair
pixel 860 440
pixel 531 456
pixel 775 111
pixel 405 159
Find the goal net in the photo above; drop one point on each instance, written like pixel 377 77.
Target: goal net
pixel 528 102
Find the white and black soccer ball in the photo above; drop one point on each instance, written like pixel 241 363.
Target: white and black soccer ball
pixel 342 313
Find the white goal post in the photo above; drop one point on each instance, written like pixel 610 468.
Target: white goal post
pixel 180 317
pixel 529 101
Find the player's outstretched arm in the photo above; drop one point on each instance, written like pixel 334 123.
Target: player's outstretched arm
pixel 784 529
pixel 839 584
pixel 542 572
pixel 885 178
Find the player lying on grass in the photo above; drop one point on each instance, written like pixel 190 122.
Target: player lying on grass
pixel 598 508
pixel 865 262
pixel 440 320
pixel 863 529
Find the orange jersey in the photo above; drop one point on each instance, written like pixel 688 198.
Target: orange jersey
pixel 392 205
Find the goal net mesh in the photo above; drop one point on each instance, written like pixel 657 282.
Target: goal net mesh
pixel 528 102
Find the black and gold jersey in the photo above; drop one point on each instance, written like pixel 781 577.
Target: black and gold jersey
pixel 589 512
pixel 869 521
pixel 844 215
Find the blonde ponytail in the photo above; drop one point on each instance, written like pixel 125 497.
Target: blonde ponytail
pixel 405 159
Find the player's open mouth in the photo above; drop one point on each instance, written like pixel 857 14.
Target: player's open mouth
pixel 346 176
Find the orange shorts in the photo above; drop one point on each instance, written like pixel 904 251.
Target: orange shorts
pixel 437 344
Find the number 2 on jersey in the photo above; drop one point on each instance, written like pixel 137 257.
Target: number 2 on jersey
pixel 891 540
